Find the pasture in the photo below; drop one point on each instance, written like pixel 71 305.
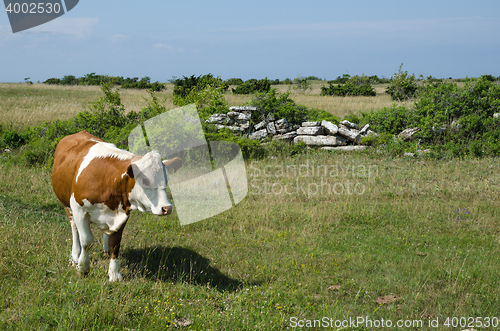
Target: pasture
pixel 322 239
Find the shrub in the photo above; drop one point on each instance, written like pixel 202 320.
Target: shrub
pixel 391 120
pixel 106 112
pixel 402 86
pixel 69 80
pixel 183 86
pixel 253 86
pixel 346 89
pixel 282 106
pixel 234 81
pixel 52 81
pixel 209 98
pixel 302 84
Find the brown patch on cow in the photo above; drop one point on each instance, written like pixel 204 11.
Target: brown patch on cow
pixel 112 189
pixel 114 242
pixel 67 159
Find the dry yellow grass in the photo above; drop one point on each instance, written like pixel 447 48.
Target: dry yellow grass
pixel 24 105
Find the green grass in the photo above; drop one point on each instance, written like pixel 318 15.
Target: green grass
pixel 426 231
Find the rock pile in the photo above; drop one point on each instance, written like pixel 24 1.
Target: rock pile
pixel 323 134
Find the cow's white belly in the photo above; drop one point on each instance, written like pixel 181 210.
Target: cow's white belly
pixel 106 219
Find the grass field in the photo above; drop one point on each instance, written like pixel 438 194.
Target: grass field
pixel 24 105
pixel 322 239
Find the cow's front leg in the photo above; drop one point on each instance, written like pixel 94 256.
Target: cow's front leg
pixel 114 241
pixel 105 245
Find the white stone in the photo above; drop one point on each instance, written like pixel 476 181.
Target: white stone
pixel 350 125
pixel 350 134
pixel 329 127
pixel 230 127
pixel 271 128
pixel 346 148
pixel 286 136
pixel 282 124
pixel 310 130
pixel 496 115
pixel 408 133
pixel 364 130
pixel 217 118
pixel 320 140
pixel 261 134
pixel 307 124
pixel 260 125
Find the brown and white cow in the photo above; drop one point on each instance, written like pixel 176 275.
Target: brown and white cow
pixel 99 183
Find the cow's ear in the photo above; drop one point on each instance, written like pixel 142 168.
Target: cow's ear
pixel 173 164
pixel 130 170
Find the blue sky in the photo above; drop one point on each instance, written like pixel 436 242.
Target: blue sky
pixel 257 39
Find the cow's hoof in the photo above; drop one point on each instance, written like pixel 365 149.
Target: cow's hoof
pixel 82 274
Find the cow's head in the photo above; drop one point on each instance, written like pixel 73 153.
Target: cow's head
pixel 151 177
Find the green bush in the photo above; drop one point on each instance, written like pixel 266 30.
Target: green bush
pixel 346 89
pixel 234 81
pixel 357 85
pixel 209 99
pixel 253 86
pixel 52 81
pixel 391 120
pixel 282 106
pixel 183 86
pixel 302 84
pixel 402 86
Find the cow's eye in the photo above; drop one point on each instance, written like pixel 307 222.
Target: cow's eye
pixel 145 182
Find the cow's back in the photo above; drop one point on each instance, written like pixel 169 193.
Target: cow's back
pixel 68 157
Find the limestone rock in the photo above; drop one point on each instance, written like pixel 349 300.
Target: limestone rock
pixel 260 135
pixel 329 127
pixel 364 130
pixel 350 125
pixel 282 124
pixel 260 125
pixel 346 148
pixel 310 130
pixel 407 134
pixel 217 119
pixel 352 135
pixel 286 136
pixel 308 124
pixel 320 140
pixel 271 128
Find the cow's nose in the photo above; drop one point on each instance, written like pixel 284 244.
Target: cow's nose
pixel 167 210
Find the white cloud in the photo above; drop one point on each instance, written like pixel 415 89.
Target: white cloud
pixel 169 48
pixel 118 38
pixel 75 27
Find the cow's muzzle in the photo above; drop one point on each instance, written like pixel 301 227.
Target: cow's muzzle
pixel 166 210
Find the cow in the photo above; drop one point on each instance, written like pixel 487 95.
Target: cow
pixel 98 183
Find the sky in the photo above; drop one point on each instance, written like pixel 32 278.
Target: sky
pixel 257 39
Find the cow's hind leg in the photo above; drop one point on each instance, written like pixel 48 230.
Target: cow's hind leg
pixel 82 223
pixel 114 241
pixel 76 248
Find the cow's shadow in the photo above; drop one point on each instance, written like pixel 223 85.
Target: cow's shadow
pixel 177 264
